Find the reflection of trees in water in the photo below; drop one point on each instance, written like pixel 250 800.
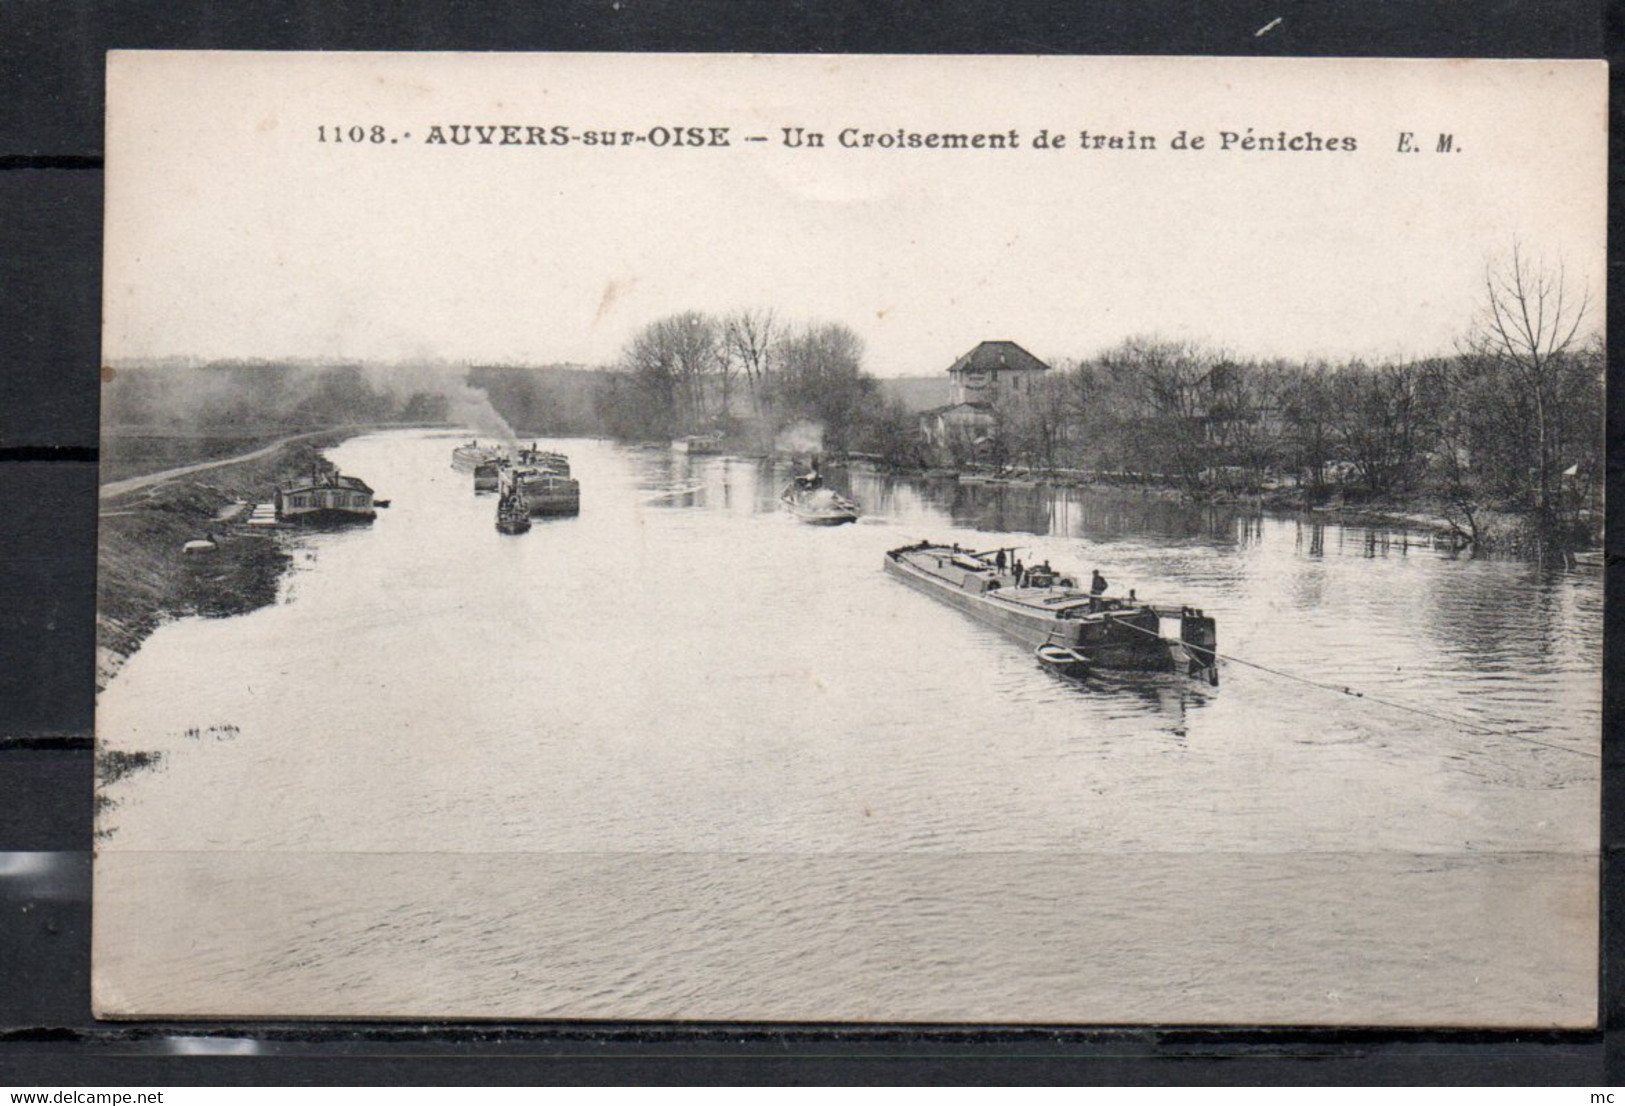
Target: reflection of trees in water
pixel 766 484
pixel 1104 515
pixel 1094 513
pixel 667 478
pixel 901 497
pixel 1372 542
pixel 1310 538
pixel 1002 507
pixel 1502 617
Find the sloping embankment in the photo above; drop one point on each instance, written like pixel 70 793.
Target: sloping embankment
pixel 143 579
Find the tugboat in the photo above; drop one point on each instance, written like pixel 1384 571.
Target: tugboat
pixel 808 499
pixel 326 498
pixel 1071 631
pixel 513 513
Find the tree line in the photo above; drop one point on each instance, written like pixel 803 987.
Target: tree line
pixel 1511 422
pixel 756 376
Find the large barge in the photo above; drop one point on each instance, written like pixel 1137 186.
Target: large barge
pixel 548 460
pixel 1069 629
pixel 546 492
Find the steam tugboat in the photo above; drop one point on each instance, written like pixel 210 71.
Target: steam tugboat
pixel 808 499
pixel 1071 631
pixel 513 513
pixel 326 498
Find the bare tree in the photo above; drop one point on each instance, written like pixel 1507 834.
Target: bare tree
pixel 1158 388
pixel 1376 422
pixel 670 362
pixel 1032 425
pixel 822 379
pixel 749 337
pixel 1529 320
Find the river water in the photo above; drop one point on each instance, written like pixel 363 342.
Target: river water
pixel 684 757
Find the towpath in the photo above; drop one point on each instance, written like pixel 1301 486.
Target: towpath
pixel 135 483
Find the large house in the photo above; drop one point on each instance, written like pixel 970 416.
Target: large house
pixel 977 381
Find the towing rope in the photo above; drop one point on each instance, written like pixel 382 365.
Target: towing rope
pixel 1349 691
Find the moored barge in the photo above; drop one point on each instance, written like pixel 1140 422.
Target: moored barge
pixel 1044 610
pixel 325 498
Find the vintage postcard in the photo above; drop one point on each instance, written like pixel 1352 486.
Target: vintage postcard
pixel 808 538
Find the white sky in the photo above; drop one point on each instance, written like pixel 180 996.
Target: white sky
pixel 233 233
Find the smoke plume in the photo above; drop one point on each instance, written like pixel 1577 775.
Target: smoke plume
pixel 805 436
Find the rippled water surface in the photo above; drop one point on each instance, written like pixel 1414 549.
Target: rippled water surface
pixel 683 756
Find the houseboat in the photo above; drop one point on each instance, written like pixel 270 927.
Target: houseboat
pixel 325 498
pixel 1042 609
pixel 546 493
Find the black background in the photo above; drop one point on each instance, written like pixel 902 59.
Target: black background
pixel 51 67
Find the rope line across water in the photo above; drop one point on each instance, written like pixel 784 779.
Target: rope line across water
pixel 1349 691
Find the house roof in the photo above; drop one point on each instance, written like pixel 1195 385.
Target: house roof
pixel 349 483
pixel 999 355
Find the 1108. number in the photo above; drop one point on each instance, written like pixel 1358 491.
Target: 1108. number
pixel 356 133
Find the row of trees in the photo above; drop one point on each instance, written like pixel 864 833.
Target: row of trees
pixel 749 373
pixel 1512 421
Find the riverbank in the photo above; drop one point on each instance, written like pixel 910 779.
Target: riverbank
pixel 1500 532
pixel 143 576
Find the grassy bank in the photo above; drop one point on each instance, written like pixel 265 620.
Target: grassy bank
pixel 128 451
pixel 143 578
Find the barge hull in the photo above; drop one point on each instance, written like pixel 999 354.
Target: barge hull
pixel 1138 649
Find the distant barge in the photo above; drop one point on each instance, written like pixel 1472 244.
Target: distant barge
pixel 1068 629
pixel 488 475
pixel 466 458
pixel 698 444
